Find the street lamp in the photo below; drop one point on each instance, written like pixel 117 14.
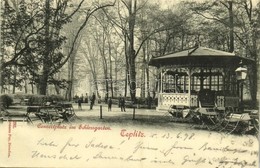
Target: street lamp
pixel 241 73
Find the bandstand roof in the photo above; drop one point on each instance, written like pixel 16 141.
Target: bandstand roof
pixel 200 56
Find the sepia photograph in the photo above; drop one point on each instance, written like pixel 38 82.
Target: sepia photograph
pixel 130 83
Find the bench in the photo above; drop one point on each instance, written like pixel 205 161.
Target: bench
pixel 49 113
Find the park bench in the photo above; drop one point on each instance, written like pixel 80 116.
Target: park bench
pixel 50 113
pixel 67 112
pixel 2 112
pixel 236 123
pixel 9 116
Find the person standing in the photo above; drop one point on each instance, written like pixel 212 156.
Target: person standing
pixel 86 98
pixel 93 98
pixel 79 104
pixel 76 98
pixel 109 103
pixel 91 104
pixel 92 101
pixel 119 101
pixel 122 104
pixel 82 98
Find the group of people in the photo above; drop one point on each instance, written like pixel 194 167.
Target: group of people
pixel 92 99
pixel 80 100
pixel 121 103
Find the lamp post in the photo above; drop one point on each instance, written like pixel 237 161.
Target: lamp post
pixel 241 73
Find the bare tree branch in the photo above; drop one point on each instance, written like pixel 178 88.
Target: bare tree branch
pixel 89 14
pixel 73 13
pixel 126 5
pixel 117 24
pixel 148 36
pixel 141 6
pixel 211 18
pixel 224 4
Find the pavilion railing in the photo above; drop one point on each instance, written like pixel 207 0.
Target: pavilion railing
pixel 182 99
pixel 227 101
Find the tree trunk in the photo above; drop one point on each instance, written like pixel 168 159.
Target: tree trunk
pixel 32 87
pixel 25 86
pixel 96 84
pixel 148 81
pixel 182 39
pixel 69 91
pixel 116 68
pixel 71 63
pixel 106 85
pixel 231 26
pixel 132 79
pixel 43 83
pixel 44 76
pixel 14 84
pixel 253 71
pixel 143 74
pixel 57 89
pixel 126 80
pixel 105 70
pixel 147 71
pixel 127 63
pixel 132 15
pixel 110 68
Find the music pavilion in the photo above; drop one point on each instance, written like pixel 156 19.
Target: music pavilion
pixel 183 75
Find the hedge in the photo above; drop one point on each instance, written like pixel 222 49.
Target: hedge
pixel 31 99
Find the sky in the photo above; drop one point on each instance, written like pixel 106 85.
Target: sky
pixel 167 3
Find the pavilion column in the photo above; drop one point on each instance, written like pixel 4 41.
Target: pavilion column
pixel 160 88
pixel 184 84
pixel 201 79
pixel 218 82
pixel 210 78
pixel 189 75
pixel 161 83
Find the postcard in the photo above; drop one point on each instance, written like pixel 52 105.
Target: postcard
pixel 129 144
pixel 129 83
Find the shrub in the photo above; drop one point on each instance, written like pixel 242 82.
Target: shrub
pixel 36 100
pixel 54 98
pixel 42 99
pixel 142 101
pixel 6 101
pixel 155 101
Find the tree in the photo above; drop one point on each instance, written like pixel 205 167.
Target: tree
pixel 128 12
pixel 14 23
pixel 100 36
pixel 40 40
pixel 71 30
pixel 35 36
pixel 219 11
pixel 249 26
pixel 241 21
pixel 90 53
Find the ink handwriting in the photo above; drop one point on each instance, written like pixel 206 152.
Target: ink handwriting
pixel 179 149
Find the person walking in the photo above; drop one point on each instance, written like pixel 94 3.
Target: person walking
pixel 109 103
